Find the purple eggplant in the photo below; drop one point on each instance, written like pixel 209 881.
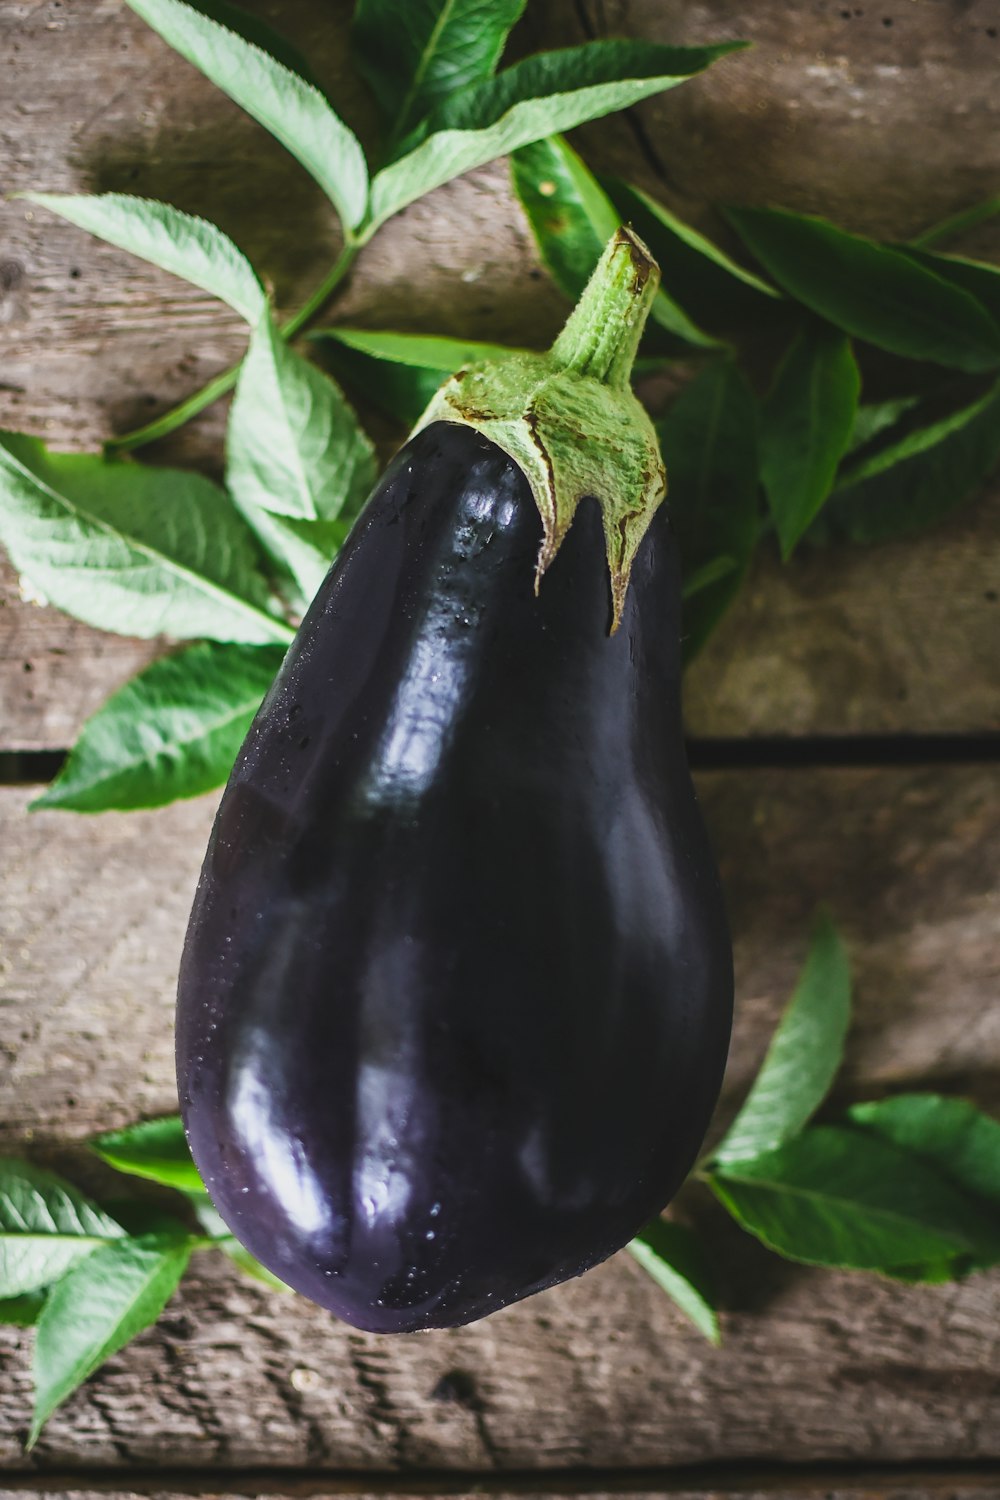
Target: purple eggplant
pixel 455 1001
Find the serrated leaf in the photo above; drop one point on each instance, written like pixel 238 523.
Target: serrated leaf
pixel 174 241
pixel 806 423
pixel 572 219
pixel 672 1256
pixel 805 1053
pixel 45 1226
pixel 98 1308
pixel 708 284
pixel 252 29
pixel 870 291
pixel 294 446
pixel 292 110
pixel 710 450
pixel 399 372
pixel 415 55
pixel 21 1312
pixel 173 731
pixel 845 1198
pixel 137 550
pixel 543 95
pixel 155 1149
pixel 916 480
pixel 951 1134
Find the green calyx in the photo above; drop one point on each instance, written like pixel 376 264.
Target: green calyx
pixel 569 419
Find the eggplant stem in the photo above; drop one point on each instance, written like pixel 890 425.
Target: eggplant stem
pixel 602 333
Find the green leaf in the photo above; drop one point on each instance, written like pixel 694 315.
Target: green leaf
pixel 966 218
pixel 96 1309
pixel 916 480
pixel 399 372
pixel 709 573
pixel 804 1056
pixel 155 1149
pixel 21 1312
pixel 130 548
pixel 875 418
pixel 712 287
pixel 45 1226
pixel 294 445
pixel 253 29
pixel 875 293
pixel 413 56
pixel 570 215
pixel 292 110
pixel 295 453
pixel 710 450
pixel 977 277
pixel 174 241
pixel 952 1135
pixel 572 219
pixel 673 1257
pixel 845 1198
pixel 543 95
pixel 806 424
pixel 173 731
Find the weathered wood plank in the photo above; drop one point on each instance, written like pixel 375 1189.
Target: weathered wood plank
pixel 880 117
pixel 602 1371
pixel 92 912
pixel 817 1482
pixel 93 341
pixel 851 640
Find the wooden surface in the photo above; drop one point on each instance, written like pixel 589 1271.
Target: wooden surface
pixel 827 1385
pixel 604 1368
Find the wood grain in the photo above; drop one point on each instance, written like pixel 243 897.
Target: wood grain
pixel 92 340
pixel 815 1365
pixel 736 1482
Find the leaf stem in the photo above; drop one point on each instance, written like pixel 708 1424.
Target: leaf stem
pixel 170 420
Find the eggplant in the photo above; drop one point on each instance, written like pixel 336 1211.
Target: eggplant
pixel 456 994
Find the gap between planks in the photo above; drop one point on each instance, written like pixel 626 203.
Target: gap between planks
pixel 808 1481
pixel 766 753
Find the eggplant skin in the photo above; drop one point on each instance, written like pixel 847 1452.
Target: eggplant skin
pixel 456 994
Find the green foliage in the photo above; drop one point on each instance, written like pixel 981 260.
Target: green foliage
pixel 713 288
pixel 137 550
pixel 294 112
pixel 46 1225
pixel 543 95
pixel 834 1197
pixel 414 56
pixel 709 440
pixel 173 731
pixel 876 293
pixel 673 1257
pixel 572 219
pixel 174 241
pixel 95 1310
pixel 154 1149
pixel 399 372
pixel 804 1056
pixel 918 474
pixel 949 1134
pixel 806 424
